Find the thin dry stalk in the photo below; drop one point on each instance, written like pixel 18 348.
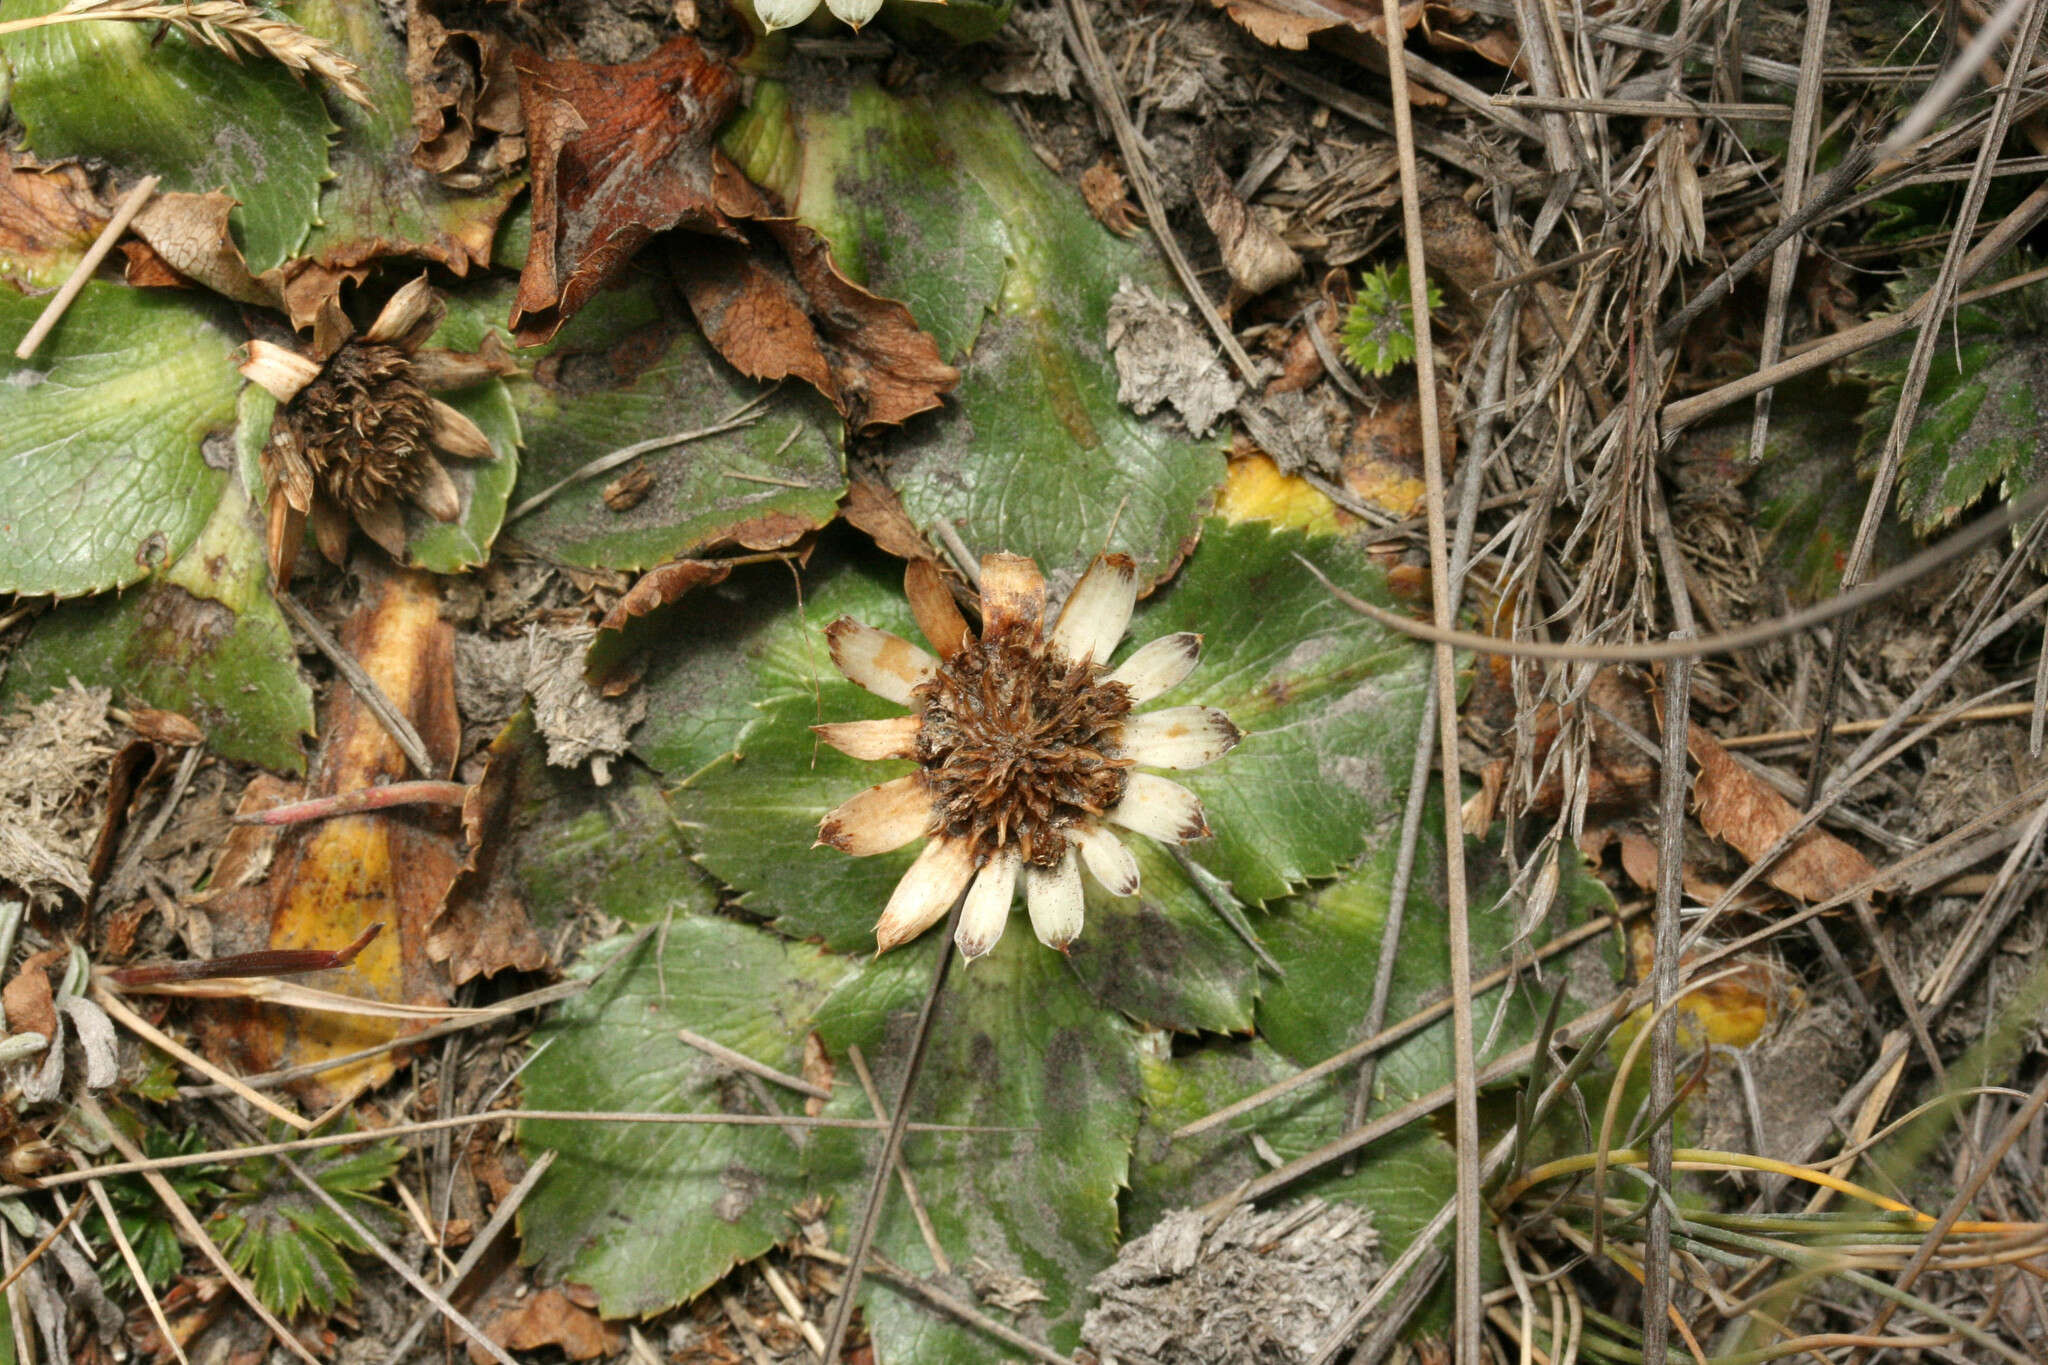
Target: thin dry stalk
pixel 46 321
pixel 940 1261
pixel 473 1254
pixel 1470 1217
pixel 163 1042
pixel 188 1225
pixel 135 1271
pixel 228 26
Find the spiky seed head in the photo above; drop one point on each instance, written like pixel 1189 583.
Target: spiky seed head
pixel 1016 744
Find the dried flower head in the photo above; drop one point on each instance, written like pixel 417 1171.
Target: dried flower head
pixel 1027 749
pixel 358 426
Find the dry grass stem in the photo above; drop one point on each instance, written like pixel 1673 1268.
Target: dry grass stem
pixel 228 26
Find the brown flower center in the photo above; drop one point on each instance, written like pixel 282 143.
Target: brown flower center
pixel 1015 746
pixel 364 425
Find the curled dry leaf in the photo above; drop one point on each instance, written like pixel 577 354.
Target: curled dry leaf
pixel 28 1000
pixel 127 773
pixel 1252 252
pixel 188 234
pixel 330 880
pixel 664 584
pixel 873 507
pixel 465 97
pixel 522 1322
pixel 775 306
pixel 1740 809
pixel 619 154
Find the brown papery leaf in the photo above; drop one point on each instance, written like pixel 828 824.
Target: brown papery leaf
pixel 1291 23
pixel 777 307
pixel 1252 252
pixel 330 880
pixel 188 233
pixel 873 507
pixel 46 212
pixel 531 1322
pixel 28 1000
pixel 663 584
pixel 619 154
pixel 1740 809
pixel 483 928
pixel 465 95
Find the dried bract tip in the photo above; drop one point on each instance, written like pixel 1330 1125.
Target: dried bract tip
pixel 278 372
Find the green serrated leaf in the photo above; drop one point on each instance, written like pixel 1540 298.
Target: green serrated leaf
pixel 939 201
pixel 153 1237
pixel 1978 428
pixel 572 846
pixel 1331 705
pixel 160 105
pixel 648 1215
pixel 289 1243
pixel 1379 327
pixel 627 369
pixel 1327 943
pixel 377 203
pixel 203 638
pixel 102 475
pixel 1016 1041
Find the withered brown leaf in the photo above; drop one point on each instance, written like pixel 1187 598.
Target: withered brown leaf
pixel 619 153
pixel 775 306
pixel 1740 809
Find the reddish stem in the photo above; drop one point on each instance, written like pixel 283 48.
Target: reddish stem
pixel 267 962
pixel 422 793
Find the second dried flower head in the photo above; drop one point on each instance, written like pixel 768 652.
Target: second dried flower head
pixel 1028 750
pixel 357 428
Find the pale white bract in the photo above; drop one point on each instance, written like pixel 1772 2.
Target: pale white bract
pixel 1043 731
pixel 775 14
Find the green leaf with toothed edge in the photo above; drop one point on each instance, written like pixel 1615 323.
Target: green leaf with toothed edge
pixel 1979 423
pixel 649 1215
pixel 203 638
pixel 1032 452
pixel 1015 1042
pixel 102 473
pixel 1331 704
pixel 159 104
pixel 625 370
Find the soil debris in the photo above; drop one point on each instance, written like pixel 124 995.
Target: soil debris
pixel 1265 1288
